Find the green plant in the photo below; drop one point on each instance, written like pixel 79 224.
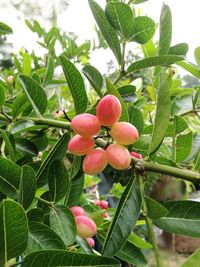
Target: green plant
pixel 41 181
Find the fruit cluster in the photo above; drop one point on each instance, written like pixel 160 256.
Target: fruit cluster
pixel 103 204
pixel 85 226
pixel 86 126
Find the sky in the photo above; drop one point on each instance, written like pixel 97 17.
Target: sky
pixel 78 19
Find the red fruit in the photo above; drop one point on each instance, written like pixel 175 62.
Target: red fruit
pixel 98 203
pixel 136 155
pixel 85 226
pixel 104 204
pixel 105 215
pixel 108 110
pixel 80 145
pixel 86 124
pixel 77 211
pixel 90 241
pixel 118 156
pixel 95 161
pixel 124 133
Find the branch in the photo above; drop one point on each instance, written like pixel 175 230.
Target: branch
pixel 140 165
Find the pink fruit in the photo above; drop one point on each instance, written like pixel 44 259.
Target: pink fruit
pixel 105 215
pixel 98 202
pixel 95 161
pixel 124 133
pixel 118 156
pixel 108 110
pixel 136 155
pixel 86 124
pixel 80 145
pixel 77 211
pixel 90 241
pixel 104 204
pixel 10 79
pixel 85 226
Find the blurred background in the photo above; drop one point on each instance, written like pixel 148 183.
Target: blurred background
pixel 75 18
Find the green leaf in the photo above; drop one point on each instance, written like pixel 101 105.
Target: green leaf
pixel 49 71
pixel 135 2
pixel 8 144
pixel 182 151
pixel 58 180
pixel 35 215
pixel 139 242
pixel 132 254
pixel 19 105
pixel 190 67
pixel 180 124
pixel 126 215
pixel 5 29
pixel 41 237
pixel 106 29
pixel 183 218
pixel 164 60
pixel 95 78
pixel 9 177
pixel 26 147
pixel 26 63
pixel 163 110
pixel 63 223
pixel 182 104
pixel 55 258
pixel 35 94
pixel 121 17
pixel 13 230
pixel 26 126
pixel 76 85
pixel 111 89
pixel 75 166
pixel 179 49
pixel 136 118
pixel 57 152
pixel 2 95
pixel 197 55
pixel 149 49
pixel 76 189
pixel 193 260
pixel 143 30
pixel 165 30
pixel 27 187
pixel 127 92
pixel 154 209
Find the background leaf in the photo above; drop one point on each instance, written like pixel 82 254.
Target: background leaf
pixel 13 230
pixel 41 237
pixel 55 258
pixel 76 85
pixel 35 94
pixel 49 71
pixel 163 110
pixel 183 218
pixel 63 223
pixel 193 260
pixel 182 151
pixel 126 215
pixel 58 180
pixel 27 187
pixel 5 29
pixel 155 209
pixel 106 29
pixel 121 17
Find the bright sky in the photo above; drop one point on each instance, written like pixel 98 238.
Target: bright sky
pixel 78 19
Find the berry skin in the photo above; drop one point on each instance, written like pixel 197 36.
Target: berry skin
pixel 80 145
pixel 104 204
pixel 98 203
pixel 86 124
pixel 85 226
pixel 105 215
pixel 118 156
pixel 10 79
pixel 90 242
pixel 77 211
pixel 136 155
pixel 124 133
pixel 95 161
pixel 109 110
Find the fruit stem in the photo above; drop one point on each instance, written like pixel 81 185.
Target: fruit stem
pixel 149 225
